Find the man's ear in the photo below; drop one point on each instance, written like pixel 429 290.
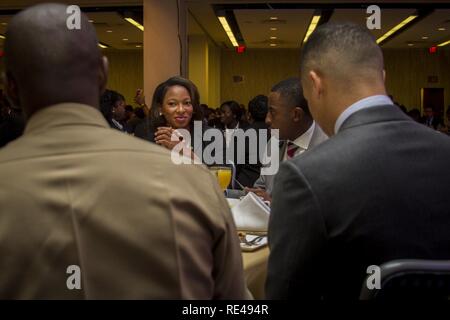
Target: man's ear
pixel 316 83
pixel 298 114
pixel 103 74
pixel 12 90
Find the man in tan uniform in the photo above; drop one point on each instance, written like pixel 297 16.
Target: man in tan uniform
pixel 78 199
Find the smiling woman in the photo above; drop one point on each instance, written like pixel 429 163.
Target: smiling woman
pixel 175 105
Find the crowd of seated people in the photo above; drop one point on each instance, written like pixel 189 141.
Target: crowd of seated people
pixel 91 181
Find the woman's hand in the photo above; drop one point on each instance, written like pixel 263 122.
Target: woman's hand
pixel 139 98
pixel 163 137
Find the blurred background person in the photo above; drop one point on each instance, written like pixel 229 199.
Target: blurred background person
pixel 12 122
pixel 415 115
pixel 136 119
pixel 112 106
pixel 430 119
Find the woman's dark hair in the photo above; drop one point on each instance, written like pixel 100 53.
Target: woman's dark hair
pixel 234 107
pixel 258 107
pixel 107 102
pixel 158 120
pixel 139 112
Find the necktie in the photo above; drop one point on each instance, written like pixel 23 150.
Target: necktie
pixel 291 150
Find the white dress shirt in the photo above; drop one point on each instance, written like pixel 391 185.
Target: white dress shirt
pixel 229 134
pixel 302 142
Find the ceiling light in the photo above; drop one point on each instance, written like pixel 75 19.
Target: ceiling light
pixel 273 38
pixel 135 23
pixel 125 39
pixel 410 44
pixel 138 46
pixel 4 23
pixel 109 31
pixel 273 29
pixel 442 29
pixel 228 31
pixel 396 28
pixel 273 45
pixel 91 20
pixel 312 27
pixel 103 46
pixel 425 38
pixel 444 43
pixel 273 18
pixel 2 37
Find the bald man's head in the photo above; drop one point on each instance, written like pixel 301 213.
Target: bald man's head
pixel 47 63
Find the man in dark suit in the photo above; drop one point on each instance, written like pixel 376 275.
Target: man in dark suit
pixel 289 113
pixel 376 191
pixel 430 119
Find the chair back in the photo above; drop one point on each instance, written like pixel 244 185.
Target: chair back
pixel 411 279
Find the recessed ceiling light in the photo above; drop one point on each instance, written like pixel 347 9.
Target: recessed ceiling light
pixel 444 43
pixel 125 39
pixel 91 20
pixel 442 29
pixel 135 23
pixel 273 45
pixel 273 38
pixel 273 29
pixel 425 38
pixel 138 46
pixel 410 44
pixel 273 18
pixel 109 31
pixel 226 27
pixel 396 28
pixel 4 23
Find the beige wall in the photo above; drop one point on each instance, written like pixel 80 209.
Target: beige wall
pixel 204 69
pixel 198 65
pixel 406 72
pixel 214 78
pixel 125 72
pixel 260 68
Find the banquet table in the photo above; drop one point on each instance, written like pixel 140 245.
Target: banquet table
pixel 255 271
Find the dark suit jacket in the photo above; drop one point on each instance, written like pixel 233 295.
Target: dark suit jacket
pixel 376 191
pixel 248 173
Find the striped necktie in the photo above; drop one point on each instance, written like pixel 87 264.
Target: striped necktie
pixel 291 150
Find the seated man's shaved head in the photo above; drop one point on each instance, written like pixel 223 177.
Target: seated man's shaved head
pixel 47 63
pixel 340 64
